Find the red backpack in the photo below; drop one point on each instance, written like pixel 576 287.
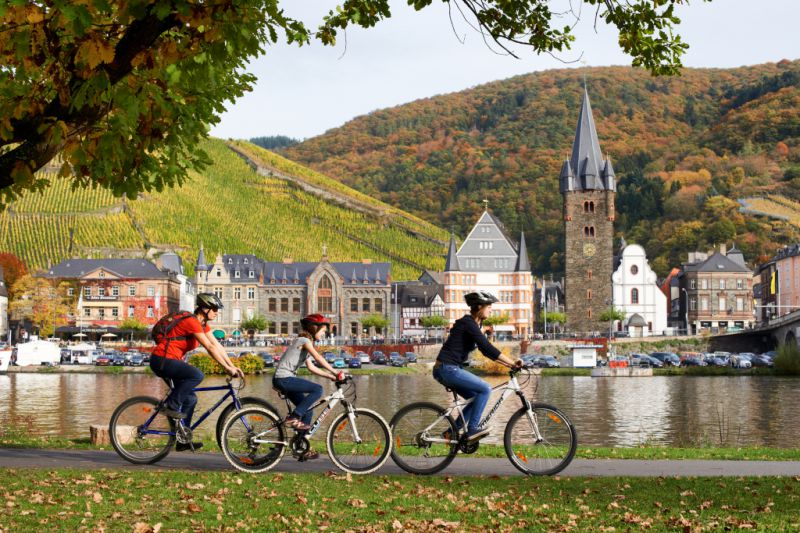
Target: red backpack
pixel 161 331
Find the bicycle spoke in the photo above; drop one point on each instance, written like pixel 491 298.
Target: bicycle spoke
pixel 361 447
pixel 252 439
pixel 139 433
pixel 542 442
pixel 413 427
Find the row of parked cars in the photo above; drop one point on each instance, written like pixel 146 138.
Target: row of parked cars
pixel 718 359
pixel 120 358
pixel 344 359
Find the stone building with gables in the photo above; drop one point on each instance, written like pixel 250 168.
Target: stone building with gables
pixel 490 260
pixel 285 291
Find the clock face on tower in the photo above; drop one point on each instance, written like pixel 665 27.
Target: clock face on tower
pixel 589 249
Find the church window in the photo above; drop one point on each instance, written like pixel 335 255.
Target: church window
pixel 634 269
pixel 588 294
pixel 588 231
pixel 325 295
pixel 590 314
pixel 589 274
pixel 591 231
pixel 634 296
pixel 591 207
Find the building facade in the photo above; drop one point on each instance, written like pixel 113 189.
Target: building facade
pixel 637 294
pixel 717 292
pixel 588 187
pixel 285 291
pixel 490 260
pixel 110 290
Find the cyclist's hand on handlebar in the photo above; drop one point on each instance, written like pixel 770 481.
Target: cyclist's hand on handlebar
pixel 340 376
pixel 517 364
pixel 236 372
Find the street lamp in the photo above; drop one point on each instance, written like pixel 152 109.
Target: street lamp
pixel 686 311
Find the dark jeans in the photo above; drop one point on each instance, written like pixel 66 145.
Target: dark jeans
pixel 302 393
pixel 467 386
pixel 185 377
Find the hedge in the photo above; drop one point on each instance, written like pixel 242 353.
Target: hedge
pixel 250 364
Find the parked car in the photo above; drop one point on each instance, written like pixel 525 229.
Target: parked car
pixel 102 360
pixel 693 361
pixel 762 361
pixel 118 359
pixel 269 361
pixel 329 356
pixel 641 359
pixel 378 358
pixel 742 360
pixel 529 360
pixel 397 360
pixel 338 362
pixel 717 360
pixel 667 358
pixel 354 362
pixel 137 359
pixel 363 357
pixel 411 357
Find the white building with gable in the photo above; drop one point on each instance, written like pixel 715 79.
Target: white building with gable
pixel 636 293
pixel 490 260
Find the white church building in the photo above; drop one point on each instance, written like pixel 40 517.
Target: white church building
pixel 637 294
pixel 490 260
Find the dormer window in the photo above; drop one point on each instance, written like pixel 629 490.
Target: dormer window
pixel 245 260
pixel 251 274
pixel 219 272
pixel 236 274
pixel 230 260
pixel 102 274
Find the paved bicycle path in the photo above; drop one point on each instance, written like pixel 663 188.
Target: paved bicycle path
pixel 461 466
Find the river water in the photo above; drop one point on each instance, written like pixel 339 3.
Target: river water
pixel 687 411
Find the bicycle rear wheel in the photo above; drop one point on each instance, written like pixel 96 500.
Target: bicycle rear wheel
pixel 245 401
pixel 547 456
pixel 366 454
pixel 139 432
pixel 253 439
pixel 416 428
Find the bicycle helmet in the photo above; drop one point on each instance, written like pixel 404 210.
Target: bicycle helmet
pixel 480 298
pixel 314 320
pixel 206 300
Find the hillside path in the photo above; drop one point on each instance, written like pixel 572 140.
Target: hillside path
pixel 96 459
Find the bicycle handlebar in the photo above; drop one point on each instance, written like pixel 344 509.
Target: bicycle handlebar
pixel 240 385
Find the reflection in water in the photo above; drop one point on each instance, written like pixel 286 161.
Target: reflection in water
pixel 736 410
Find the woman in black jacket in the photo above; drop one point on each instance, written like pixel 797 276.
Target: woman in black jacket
pixel 465 336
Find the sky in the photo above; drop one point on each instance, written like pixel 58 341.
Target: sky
pixel 303 92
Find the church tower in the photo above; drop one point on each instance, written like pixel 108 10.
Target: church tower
pixel 588 186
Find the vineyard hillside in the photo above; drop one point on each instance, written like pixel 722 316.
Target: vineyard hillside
pixel 248 201
pixel 684 149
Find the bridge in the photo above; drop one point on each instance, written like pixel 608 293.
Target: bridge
pixel 764 337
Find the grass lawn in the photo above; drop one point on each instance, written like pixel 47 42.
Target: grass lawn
pixel 148 500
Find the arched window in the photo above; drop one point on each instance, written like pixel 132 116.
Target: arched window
pixel 634 296
pixel 591 231
pixel 588 294
pixel 325 295
pixel 585 207
pixel 591 207
pixel 586 231
pixel 589 274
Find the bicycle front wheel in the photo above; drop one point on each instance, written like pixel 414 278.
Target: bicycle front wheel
pixel 359 443
pixel 425 438
pixel 253 439
pixel 139 432
pixel 245 401
pixel 547 453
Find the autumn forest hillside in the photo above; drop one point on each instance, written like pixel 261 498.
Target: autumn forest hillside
pixel 685 150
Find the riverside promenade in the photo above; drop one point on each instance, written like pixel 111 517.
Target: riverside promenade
pixel 461 466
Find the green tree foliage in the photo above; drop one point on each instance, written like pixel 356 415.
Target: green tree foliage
pixel 274 142
pixel 133 323
pixel 496 320
pixel 250 364
pixel 788 360
pixel 42 301
pixel 378 322
pixel 554 317
pixel 123 91
pixel 611 314
pixel 433 321
pixel 257 323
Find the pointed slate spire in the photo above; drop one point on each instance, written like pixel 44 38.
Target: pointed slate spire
pixel 366 276
pixel 587 162
pixel 272 277
pixel 296 275
pixel 451 265
pixel 523 264
pixel 284 279
pixel 378 276
pixel 201 259
pixel 567 179
pixel 354 279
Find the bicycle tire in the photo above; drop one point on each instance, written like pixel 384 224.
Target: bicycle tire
pixel 372 452
pixel 245 401
pixel 237 444
pixel 411 453
pixel 144 449
pixel 554 453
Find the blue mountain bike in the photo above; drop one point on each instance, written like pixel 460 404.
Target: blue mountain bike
pixel 142 434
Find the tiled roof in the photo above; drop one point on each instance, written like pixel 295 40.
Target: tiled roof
pixel 124 268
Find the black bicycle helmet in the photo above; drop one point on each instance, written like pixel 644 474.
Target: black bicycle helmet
pixel 480 298
pixel 206 300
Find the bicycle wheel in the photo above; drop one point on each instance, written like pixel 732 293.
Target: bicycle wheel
pixel 366 454
pixel 246 401
pixel 547 456
pixel 253 439
pixel 139 432
pixel 412 427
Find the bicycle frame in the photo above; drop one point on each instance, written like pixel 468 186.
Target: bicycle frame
pixel 230 394
pixel 508 388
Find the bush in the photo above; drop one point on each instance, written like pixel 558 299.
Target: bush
pixel 788 360
pixel 250 364
pixel 492 368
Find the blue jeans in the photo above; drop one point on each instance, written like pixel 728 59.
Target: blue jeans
pixel 185 378
pixel 467 386
pixel 302 393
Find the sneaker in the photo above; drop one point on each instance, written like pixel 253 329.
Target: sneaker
pixel 309 456
pixel 296 423
pixel 478 435
pixel 172 413
pixel 180 447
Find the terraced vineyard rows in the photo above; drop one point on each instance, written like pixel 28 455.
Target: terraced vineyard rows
pixel 776 207
pixel 230 209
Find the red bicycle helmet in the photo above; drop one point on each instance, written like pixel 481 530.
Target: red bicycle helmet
pixel 315 320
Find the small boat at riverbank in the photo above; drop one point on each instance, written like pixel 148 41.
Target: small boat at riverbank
pixel 5 359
